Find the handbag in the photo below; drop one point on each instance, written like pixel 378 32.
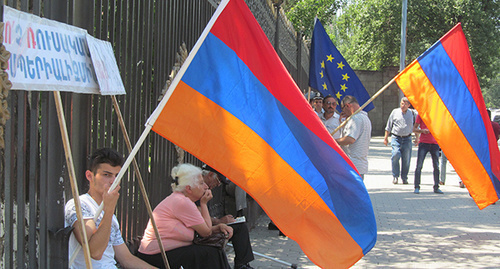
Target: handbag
pixel 216 239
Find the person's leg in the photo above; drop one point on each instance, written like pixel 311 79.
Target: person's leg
pixel 405 158
pixel 241 243
pixel 434 150
pixel 396 155
pixel 422 151
pixel 444 160
pixel 155 260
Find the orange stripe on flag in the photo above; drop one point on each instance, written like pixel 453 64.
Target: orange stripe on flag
pixel 207 121
pixel 421 93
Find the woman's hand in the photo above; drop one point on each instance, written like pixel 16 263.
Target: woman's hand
pixel 228 231
pixel 207 196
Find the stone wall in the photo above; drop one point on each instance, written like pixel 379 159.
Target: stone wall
pixel 386 102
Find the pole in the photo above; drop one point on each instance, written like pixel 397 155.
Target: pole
pixel 72 176
pixel 402 54
pixel 141 182
pixel 365 104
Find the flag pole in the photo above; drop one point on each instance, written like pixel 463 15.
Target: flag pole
pixel 72 176
pixel 365 104
pixel 141 182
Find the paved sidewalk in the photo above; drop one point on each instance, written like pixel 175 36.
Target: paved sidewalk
pixel 425 230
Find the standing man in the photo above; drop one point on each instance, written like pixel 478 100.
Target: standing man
pixel 400 126
pixel 317 103
pixel 356 134
pixel 104 236
pixel 330 118
pixel 426 143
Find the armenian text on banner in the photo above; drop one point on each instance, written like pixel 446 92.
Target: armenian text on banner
pixel 106 70
pixel 329 72
pixel 234 105
pixel 47 55
pixel 443 86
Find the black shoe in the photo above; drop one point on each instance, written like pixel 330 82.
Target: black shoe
pixel 405 181
pixel 272 226
pixel 438 191
pixel 243 266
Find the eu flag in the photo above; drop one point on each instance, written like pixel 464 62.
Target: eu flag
pixel 329 72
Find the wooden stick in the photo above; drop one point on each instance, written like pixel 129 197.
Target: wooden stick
pixel 365 104
pixel 141 182
pixel 72 175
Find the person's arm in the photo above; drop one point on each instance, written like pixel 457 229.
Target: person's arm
pixel 223 228
pixel 386 138
pixel 127 260
pixel 346 140
pixel 98 237
pixel 204 229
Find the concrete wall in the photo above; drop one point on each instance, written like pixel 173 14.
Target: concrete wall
pixel 386 102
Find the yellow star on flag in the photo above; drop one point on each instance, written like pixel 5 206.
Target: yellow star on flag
pixel 343 87
pixel 323 64
pixel 325 87
pixel 340 65
pixel 321 73
pixel 345 77
pixel 329 58
pixel 338 95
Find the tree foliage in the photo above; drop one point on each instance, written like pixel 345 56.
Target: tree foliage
pixel 368 32
pixel 302 13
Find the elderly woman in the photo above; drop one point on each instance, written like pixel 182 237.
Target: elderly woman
pixel 177 218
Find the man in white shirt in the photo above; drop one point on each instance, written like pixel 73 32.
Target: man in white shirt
pixel 330 118
pixel 356 134
pixel 104 235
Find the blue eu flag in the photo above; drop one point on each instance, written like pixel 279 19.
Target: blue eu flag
pixel 329 72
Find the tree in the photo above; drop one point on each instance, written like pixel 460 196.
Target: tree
pixel 368 32
pixel 302 13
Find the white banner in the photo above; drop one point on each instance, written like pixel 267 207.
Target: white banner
pixel 106 69
pixel 47 55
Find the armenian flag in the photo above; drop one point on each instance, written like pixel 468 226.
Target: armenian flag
pixel 329 72
pixel 234 106
pixel 443 86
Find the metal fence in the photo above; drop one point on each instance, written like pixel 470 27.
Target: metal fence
pixel 145 35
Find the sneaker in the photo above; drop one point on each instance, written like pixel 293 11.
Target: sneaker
pixel 438 191
pixel 395 180
pixel 405 182
pixel 416 191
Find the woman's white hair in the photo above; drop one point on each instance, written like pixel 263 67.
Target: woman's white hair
pixel 183 175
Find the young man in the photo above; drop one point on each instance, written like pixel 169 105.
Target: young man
pixel 426 143
pixel 104 235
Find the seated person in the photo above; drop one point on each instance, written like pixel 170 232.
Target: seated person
pixel 177 218
pixel 104 236
pixel 241 239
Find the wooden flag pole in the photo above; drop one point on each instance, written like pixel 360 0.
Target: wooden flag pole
pixel 365 104
pixel 72 176
pixel 141 182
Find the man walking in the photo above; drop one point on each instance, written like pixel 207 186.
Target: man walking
pixel 356 134
pixel 426 143
pixel 400 126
